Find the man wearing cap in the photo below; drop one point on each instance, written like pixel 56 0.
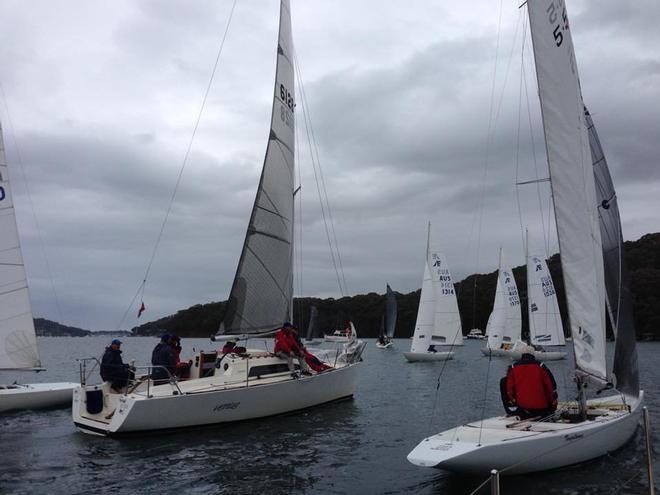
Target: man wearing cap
pixel 163 359
pixel 113 369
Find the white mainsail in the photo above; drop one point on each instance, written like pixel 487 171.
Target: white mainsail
pixel 447 328
pixel 262 291
pixel 18 341
pixel 545 327
pixel 571 174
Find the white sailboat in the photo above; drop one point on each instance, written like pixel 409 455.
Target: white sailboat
pixel 313 327
pixel 585 429
pixel 545 326
pixel 18 340
pixel 388 325
pixel 438 319
pixel 254 383
pixel 505 321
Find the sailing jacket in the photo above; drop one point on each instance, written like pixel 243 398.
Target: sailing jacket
pixel 530 385
pixel 112 366
pixel 163 355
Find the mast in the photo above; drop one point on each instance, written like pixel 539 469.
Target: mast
pixel 527 287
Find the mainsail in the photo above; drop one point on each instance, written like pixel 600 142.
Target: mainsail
pixel 447 319
pixel 425 314
pixel 18 341
pixel 262 290
pixel 572 178
pixel 619 298
pixel 390 313
pixel 545 327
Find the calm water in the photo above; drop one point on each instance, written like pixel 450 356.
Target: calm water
pixel 356 446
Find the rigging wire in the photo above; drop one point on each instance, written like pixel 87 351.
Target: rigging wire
pixel 183 164
pixel 42 244
pixel 320 186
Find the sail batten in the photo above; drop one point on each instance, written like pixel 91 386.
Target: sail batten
pixel 262 290
pixel 572 182
pixel 18 341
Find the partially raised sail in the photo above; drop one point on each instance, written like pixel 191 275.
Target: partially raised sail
pixel 572 177
pixel 619 298
pixel 18 341
pixel 545 326
pixel 505 321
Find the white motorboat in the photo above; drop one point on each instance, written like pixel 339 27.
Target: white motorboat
pixel 341 336
pixel 591 243
pixel 438 320
pixel 250 383
pixel 475 334
pixel 18 340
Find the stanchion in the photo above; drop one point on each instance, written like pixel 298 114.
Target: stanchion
pixel 649 457
pixel 494 482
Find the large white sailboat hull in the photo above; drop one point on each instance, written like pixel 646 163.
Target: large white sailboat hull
pixel 36 395
pixel 428 356
pixel 515 447
pixel 516 354
pixel 208 401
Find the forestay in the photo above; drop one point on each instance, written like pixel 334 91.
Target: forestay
pixel 262 290
pixel 545 326
pixel 447 319
pixel 619 298
pixel 18 342
pixel 572 179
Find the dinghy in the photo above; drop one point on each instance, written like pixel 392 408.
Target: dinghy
pixel 248 383
pixel 585 429
pixel 18 340
pixel 438 320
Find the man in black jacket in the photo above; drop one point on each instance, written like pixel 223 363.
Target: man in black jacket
pixel 113 369
pixel 164 360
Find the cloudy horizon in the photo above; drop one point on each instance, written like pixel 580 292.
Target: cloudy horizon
pixel 99 101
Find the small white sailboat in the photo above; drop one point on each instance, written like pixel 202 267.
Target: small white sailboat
pixel 18 340
pixel 344 336
pixel 505 321
pixel 250 383
pixel 313 327
pixel 475 334
pixel 586 429
pixel 438 319
pixel 545 326
pixel 388 325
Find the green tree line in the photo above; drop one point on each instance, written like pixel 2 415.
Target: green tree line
pixel 475 301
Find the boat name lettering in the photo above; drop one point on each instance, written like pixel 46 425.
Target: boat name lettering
pixel 573 436
pixel 226 405
pixel 442 446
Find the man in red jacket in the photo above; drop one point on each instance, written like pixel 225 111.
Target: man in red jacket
pixel 287 346
pixel 531 390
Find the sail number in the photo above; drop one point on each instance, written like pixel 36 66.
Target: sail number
pixel 288 106
pixel 553 17
pixel 2 193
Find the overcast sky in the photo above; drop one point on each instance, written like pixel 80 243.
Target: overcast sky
pixel 100 100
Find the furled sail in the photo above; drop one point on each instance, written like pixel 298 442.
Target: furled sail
pixel 619 298
pixel 571 174
pixel 505 321
pixel 545 327
pixel 18 341
pixel 390 312
pixel 447 320
pixel 497 318
pixel 262 291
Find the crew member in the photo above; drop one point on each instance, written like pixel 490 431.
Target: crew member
pixel 529 389
pixel 113 369
pixel 287 345
pixel 163 359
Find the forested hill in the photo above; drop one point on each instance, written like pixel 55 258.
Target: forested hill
pixel 475 301
pixel 48 328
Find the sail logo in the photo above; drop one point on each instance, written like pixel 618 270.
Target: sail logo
pixel 534 307
pixel 538 267
pixel 2 193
